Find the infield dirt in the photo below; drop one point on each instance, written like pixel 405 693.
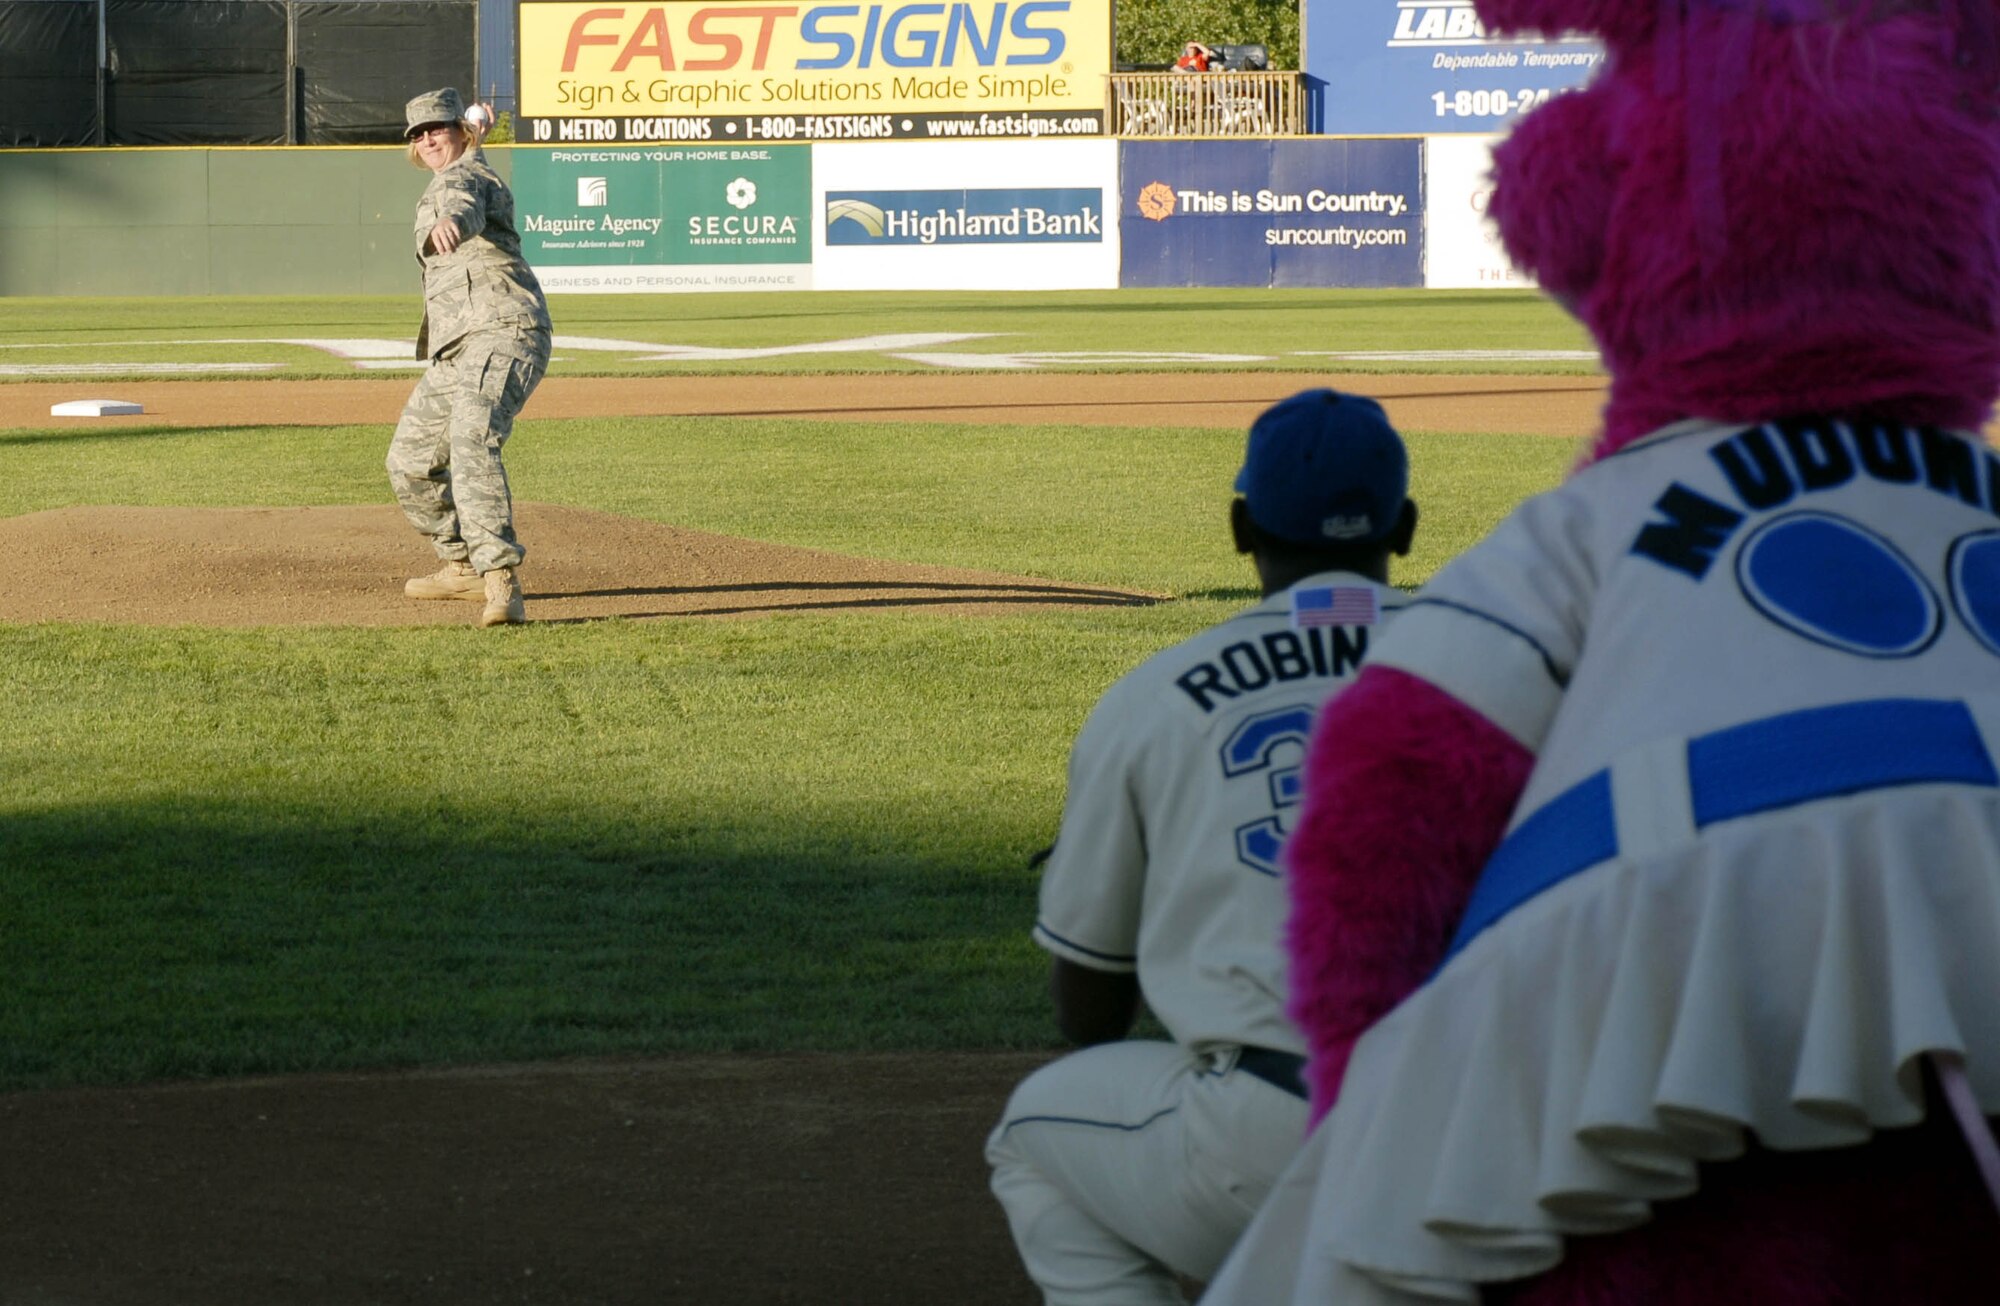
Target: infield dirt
pixel 343 566
pixel 1565 406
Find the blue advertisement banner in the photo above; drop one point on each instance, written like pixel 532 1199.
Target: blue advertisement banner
pixel 1427 68
pixel 1014 216
pixel 1278 213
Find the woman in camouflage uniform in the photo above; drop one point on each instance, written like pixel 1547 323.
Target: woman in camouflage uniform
pixel 485 333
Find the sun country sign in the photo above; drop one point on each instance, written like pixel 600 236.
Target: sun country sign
pixel 751 71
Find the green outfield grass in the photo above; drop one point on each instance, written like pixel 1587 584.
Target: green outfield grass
pixel 1263 330
pixel 241 851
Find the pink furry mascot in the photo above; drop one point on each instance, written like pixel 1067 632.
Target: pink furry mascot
pixel 1653 865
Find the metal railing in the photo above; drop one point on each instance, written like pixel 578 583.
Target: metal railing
pixel 1207 104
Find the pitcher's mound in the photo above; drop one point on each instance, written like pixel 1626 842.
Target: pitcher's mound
pixel 346 566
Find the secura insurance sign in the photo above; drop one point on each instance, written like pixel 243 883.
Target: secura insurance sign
pixel 667 218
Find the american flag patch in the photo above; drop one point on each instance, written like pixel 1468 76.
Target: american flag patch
pixel 1334 605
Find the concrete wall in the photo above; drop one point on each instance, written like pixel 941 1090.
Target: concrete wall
pixel 233 221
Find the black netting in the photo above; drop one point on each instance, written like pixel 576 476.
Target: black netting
pixel 48 61
pixel 226 72
pixel 360 61
pixel 195 72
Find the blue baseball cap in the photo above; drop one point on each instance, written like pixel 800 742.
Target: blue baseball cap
pixel 1325 468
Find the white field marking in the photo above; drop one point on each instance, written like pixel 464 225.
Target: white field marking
pixel 372 354
pixel 414 364
pixel 858 345
pixel 344 348
pixel 395 352
pixel 87 344
pixel 131 369
pixel 647 351
pixel 340 348
pixel 1023 362
pixel 603 345
pixel 1455 355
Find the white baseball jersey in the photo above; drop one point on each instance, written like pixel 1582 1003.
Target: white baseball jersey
pixel 1754 875
pixel 1180 785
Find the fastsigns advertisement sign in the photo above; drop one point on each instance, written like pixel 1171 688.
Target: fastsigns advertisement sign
pixel 1428 68
pixel 750 71
pixel 666 217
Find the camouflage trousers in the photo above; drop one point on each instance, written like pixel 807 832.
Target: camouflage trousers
pixel 444 462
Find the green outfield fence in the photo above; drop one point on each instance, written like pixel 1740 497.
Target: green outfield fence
pixel 217 221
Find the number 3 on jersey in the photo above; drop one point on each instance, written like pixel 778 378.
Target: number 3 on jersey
pixel 1252 749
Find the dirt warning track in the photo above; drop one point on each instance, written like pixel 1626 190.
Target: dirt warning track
pixel 1564 406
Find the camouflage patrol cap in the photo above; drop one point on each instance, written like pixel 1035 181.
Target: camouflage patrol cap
pixel 431 108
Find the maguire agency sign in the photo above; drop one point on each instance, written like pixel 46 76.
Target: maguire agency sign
pixel 667 217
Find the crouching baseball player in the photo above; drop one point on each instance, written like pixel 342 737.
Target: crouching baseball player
pixel 1130 1164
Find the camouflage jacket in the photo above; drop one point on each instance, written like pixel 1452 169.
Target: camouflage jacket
pixel 485 282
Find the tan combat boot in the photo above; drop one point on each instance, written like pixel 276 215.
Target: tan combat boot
pixel 503 599
pixel 454 580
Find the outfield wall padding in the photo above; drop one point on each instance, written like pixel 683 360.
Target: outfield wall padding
pixel 1302 213
pixel 211 221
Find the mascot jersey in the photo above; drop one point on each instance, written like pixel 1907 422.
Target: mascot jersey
pixel 1754 875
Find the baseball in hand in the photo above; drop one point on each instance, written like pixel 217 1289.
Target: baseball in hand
pixel 479 118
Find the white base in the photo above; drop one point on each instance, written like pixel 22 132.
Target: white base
pixel 95 408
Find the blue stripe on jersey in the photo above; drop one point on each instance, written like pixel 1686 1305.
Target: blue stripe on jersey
pixel 1570 833
pixel 1759 766
pixel 1827 751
